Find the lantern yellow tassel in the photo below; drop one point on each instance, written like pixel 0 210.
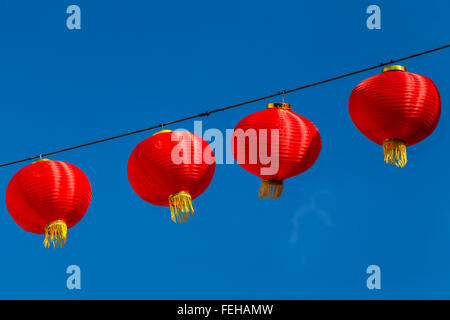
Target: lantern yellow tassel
pixel 395 152
pixel 56 234
pixel 270 189
pixel 181 206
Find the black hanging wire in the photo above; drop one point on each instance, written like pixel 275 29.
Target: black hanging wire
pixel 207 113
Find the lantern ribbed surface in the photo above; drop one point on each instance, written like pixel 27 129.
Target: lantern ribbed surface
pixel 48 197
pixel 298 145
pixel 395 108
pixel 172 169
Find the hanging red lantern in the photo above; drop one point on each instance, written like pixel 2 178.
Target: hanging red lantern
pixel 395 109
pixel 275 144
pixel 172 168
pixel 48 197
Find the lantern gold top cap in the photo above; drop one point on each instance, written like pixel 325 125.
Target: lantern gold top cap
pixel 279 105
pixel 395 68
pixel 161 131
pixel 43 159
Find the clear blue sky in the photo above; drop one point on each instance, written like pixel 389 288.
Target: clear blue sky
pixel 138 63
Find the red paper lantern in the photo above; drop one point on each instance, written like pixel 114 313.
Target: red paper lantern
pixel 291 141
pixel 172 168
pixel 395 109
pixel 48 197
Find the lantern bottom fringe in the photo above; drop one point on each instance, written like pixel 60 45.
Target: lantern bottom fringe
pixel 56 234
pixel 181 207
pixel 270 189
pixel 395 152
